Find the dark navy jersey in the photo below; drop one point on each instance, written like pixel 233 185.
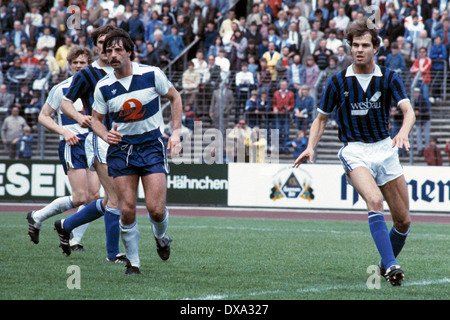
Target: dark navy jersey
pixel 362 115
pixel 83 85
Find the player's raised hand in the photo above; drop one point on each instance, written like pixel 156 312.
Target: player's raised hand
pixel 114 137
pixel 307 154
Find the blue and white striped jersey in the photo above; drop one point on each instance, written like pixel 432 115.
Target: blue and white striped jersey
pixel 54 99
pixel 362 111
pixel 134 102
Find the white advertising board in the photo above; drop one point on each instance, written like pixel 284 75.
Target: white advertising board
pixel 315 186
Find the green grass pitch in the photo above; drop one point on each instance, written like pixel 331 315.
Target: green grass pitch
pixel 226 259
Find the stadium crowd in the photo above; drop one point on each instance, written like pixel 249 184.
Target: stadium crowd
pixel 269 52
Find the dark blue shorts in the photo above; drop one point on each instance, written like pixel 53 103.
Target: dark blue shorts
pixel 141 159
pixel 72 156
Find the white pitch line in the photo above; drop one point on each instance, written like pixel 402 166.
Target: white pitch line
pixel 313 290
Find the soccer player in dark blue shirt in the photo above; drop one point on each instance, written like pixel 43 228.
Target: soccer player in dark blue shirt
pixel 362 95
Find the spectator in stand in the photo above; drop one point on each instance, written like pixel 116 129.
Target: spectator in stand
pixel 197 25
pixel 395 60
pixel 135 24
pixel 162 48
pixel 222 61
pixel 52 64
pixel 405 50
pixel 6 102
pixel 282 22
pixel 423 121
pixel 12 129
pixel 175 43
pixel 423 64
pixel 283 104
pixel 263 47
pixel 215 48
pixel 272 56
pixel 238 45
pixel 16 76
pixel 244 85
pixel 383 52
pixel 423 41
pixel 227 103
pixel 283 63
pixel 211 79
pixel 61 53
pixel 432 22
pixel 322 54
pixel 447 148
pixel 342 20
pixel 312 73
pixel 236 138
pixel 46 40
pixel 253 17
pixel 332 68
pixel 299 144
pixel 191 83
pixel 432 154
pixel 103 20
pixel 24 144
pixel 189 117
pixel 272 36
pixel 251 109
pixel 394 28
pixel 150 28
pixel 264 77
pixel 443 30
pixel 413 29
pixel 152 58
pixel 304 108
pixel 252 33
pixel 437 52
pixel 95 10
pixel 344 60
pixel 17 35
pixel 210 36
pixel 252 50
pixel 225 27
pixel 140 48
pixel 296 74
pixel 333 43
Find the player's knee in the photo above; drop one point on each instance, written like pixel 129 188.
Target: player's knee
pixel 79 198
pixel 93 196
pixel 157 214
pixel 127 215
pixel 402 224
pixel 375 203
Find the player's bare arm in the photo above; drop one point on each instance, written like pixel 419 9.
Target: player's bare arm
pixel 69 110
pixel 45 119
pixel 174 144
pixel 317 128
pixel 409 118
pixel 112 136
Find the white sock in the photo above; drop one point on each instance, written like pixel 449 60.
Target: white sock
pixel 57 206
pixel 130 240
pixel 160 228
pixel 78 232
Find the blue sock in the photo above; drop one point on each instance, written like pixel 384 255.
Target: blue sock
pixel 397 240
pixel 112 230
pixel 92 211
pixel 380 235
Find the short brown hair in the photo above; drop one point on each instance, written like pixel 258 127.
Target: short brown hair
pixel 360 28
pixel 120 35
pixel 98 32
pixel 77 51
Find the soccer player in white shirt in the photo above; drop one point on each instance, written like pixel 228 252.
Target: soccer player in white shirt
pixel 131 95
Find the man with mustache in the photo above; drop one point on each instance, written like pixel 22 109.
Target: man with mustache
pixel 131 97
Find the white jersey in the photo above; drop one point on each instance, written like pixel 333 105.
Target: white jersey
pixel 134 102
pixel 54 100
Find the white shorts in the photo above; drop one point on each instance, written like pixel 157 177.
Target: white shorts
pixel 96 148
pixel 379 157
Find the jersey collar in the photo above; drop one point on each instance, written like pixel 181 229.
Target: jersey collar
pixel 350 73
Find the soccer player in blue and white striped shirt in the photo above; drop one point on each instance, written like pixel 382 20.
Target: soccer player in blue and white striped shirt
pixel 361 95
pixel 84 183
pixel 131 96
